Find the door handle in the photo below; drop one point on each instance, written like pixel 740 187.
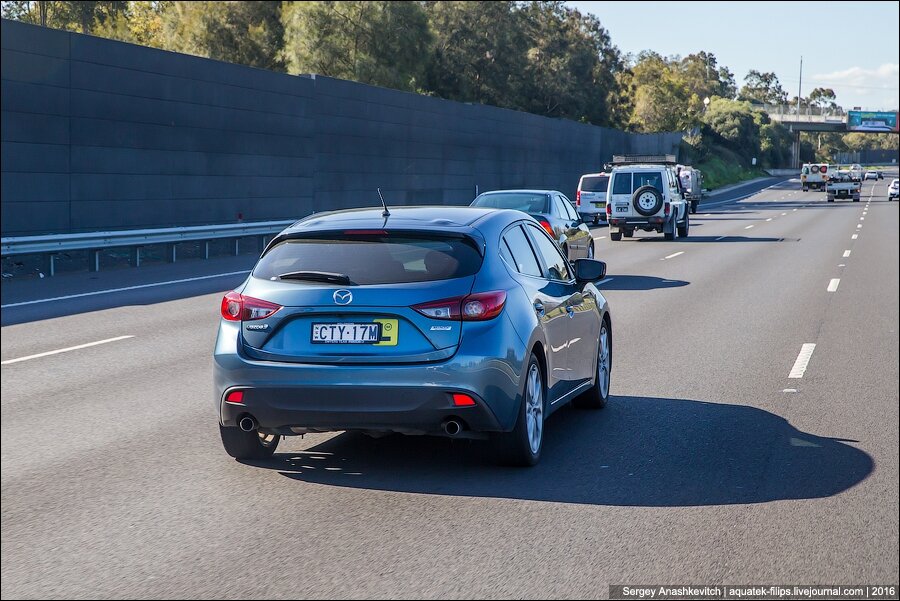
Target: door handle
pixel 539 308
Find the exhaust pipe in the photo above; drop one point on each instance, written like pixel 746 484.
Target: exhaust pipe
pixel 248 423
pixel 452 427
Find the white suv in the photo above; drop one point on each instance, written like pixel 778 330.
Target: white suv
pixel 645 194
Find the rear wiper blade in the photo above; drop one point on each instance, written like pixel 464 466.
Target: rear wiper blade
pixel 316 276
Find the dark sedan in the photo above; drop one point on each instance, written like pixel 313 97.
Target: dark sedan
pixel 554 212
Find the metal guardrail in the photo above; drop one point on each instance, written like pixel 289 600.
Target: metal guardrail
pixel 95 242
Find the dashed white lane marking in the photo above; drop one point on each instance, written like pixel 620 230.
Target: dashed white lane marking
pixel 795 209
pixel 673 255
pixel 859 226
pixel 783 214
pixel 64 350
pixel 862 218
pixel 833 284
pixel 846 253
pixel 769 219
pixel 113 290
pixel 841 265
pixel 748 227
pixel 802 361
pixel 854 236
pixel 600 237
pixel 708 215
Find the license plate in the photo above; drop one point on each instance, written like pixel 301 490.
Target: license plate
pixel 599 205
pixel 346 333
pixel 623 209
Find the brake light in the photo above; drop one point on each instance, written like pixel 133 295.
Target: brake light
pixel 608 209
pixel 235 396
pixel 474 307
pixel 577 198
pixel 237 307
pixel 667 209
pixel 548 228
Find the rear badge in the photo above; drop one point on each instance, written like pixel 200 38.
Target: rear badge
pixel 441 328
pixel 257 326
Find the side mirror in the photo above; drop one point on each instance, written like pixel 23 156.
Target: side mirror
pixel 589 270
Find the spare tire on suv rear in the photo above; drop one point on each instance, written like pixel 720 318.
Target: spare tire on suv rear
pixel 647 200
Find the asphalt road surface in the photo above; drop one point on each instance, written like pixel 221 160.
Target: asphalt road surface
pixel 709 464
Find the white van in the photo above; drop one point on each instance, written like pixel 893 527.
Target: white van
pixel 590 198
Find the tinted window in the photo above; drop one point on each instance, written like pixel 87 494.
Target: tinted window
pixel 622 183
pixel 596 183
pixel 570 209
pixel 520 201
pixel 519 248
pixel 559 208
pixel 652 178
pixel 374 259
pixel 557 266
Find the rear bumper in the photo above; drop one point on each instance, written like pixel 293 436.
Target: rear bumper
pixel 408 410
pixel 637 221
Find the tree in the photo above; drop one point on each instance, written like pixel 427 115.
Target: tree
pixel 378 42
pixel 663 100
pixel 248 33
pixel 762 88
pixel 71 16
pixel 478 53
pixel 705 78
pixel 735 124
pixel 822 98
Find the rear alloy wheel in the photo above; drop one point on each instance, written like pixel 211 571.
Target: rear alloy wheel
pixel 522 446
pixel 598 394
pixel 684 229
pixel 248 445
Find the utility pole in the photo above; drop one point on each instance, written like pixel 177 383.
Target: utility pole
pixel 800 87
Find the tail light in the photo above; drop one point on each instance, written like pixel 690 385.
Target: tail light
pixel 608 209
pixel 577 198
pixel 668 208
pixel 549 228
pixel 237 307
pixel 474 307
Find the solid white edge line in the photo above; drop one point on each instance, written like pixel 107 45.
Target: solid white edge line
pixel 833 284
pixel 64 350
pixel 802 361
pixel 673 255
pixel 126 288
pixel 846 253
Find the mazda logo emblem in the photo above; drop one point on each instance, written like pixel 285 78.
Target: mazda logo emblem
pixel 343 297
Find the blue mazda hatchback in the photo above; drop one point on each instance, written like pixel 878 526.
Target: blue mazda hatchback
pixel 459 322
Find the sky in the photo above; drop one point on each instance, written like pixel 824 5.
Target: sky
pixel 851 47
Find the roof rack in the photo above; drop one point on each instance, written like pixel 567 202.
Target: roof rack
pixel 644 159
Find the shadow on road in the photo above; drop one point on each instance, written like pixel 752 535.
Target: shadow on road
pixel 639 282
pixel 639 451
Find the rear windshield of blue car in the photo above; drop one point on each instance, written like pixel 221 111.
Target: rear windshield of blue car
pixel 526 202
pixel 367 258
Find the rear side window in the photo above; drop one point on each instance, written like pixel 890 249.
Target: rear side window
pixel 373 258
pixel 652 178
pixel 559 208
pixel 595 183
pixel 519 249
pixel 520 201
pixel 557 266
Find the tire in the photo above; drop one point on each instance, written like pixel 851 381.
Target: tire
pixel 684 229
pixel 628 233
pixel 805 189
pixel 522 446
pixel 248 445
pixel 615 236
pixel 830 199
pixel 647 200
pixel 694 205
pixel 590 250
pixel 596 397
pixel 596 219
pixel 855 200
